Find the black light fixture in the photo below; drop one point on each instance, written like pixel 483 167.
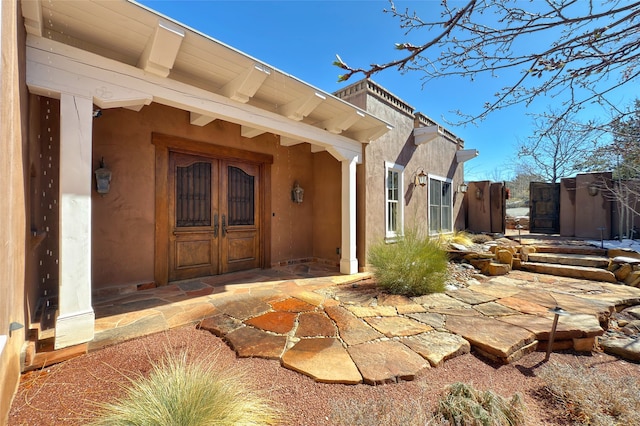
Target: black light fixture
pixel 593 189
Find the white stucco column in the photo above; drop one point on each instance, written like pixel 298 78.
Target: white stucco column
pixel 75 321
pixel 349 261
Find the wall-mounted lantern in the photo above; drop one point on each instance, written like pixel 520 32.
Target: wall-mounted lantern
pixel 478 193
pixel 297 193
pixel 103 178
pixel 463 188
pixel 592 189
pixel 421 178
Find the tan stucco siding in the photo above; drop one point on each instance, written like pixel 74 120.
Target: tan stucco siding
pixel 436 158
pixel 124 220
pixel 13 235
pixel 327 207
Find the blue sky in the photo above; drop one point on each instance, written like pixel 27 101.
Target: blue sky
pixel 302 37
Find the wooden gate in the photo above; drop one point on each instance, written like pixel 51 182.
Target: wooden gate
pixel 544 207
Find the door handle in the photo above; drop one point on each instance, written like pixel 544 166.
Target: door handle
pixel 216 225
pixel 224 226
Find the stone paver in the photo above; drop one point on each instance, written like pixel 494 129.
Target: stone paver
pixel 433 319
pixel 397 326
pixel 440 301
pixel 277 322
pixel 323 359
pixel 292 304
pixel 244 308
pixel 386 362
pixel 315 324
pixel 493 309
pixel 626 347
pixel 220 325
pixel 490 335
pixel 373 311
pixel 471 297
pixel 569 327
pixel 353 330
pixel 251 342
pixel 437 346
pixel 522 305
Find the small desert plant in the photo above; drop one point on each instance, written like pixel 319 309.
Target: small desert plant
pixel 462 405
pixel 481 238
pixel 178 392
pixel 458 237
pixel 592 398
pixel 412 266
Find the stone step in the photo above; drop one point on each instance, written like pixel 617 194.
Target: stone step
pixel 584 272
pixel 570 259
pixel 571 249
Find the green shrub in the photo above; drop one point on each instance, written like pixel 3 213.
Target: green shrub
pixel 193 393
pixel 412 266
pixel 592 398
pixel 462 405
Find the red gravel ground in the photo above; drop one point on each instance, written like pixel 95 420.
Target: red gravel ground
pixel 66 393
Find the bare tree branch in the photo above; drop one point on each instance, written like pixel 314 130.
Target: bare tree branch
pixel 578 49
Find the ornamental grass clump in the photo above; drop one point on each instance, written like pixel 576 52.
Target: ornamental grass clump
pixel 463 405
pixel 182 392
pixel 412 266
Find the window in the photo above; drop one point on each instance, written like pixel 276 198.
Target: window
pixel 440 209
pixel 393 197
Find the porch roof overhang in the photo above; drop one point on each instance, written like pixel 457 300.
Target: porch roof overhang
pixel 122 54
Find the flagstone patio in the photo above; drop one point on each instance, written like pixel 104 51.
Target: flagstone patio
pixel 341 329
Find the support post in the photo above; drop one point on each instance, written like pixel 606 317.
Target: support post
pixel 75 320
pixel 349 261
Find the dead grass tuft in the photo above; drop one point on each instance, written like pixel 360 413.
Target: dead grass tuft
pixel 592 398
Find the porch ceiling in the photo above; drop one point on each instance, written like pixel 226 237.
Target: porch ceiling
pixel 132 34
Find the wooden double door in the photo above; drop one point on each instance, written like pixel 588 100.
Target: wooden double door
pixel 214 216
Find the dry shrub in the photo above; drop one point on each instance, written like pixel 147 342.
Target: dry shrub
pixel 380 411
pixel 458 237
pixel 463 405
pixel 182 392
pixel 460 405
pixel 593 398
pixel 481 238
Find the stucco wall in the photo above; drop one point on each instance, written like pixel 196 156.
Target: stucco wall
pixel 592 212
pixel 327 226
pixel 13 235
pixel 479 206
pixel 123 221
pixel 436 158
pixel 567 207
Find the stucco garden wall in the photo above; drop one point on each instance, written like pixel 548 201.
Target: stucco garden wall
pixel 124 220
pixel 13 208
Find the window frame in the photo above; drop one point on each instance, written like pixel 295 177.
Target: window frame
pixel 439 229
pixel 389 233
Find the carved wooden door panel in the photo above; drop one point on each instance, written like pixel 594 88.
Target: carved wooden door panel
pixel 193 216
pixel 240 216
pixel 214 216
